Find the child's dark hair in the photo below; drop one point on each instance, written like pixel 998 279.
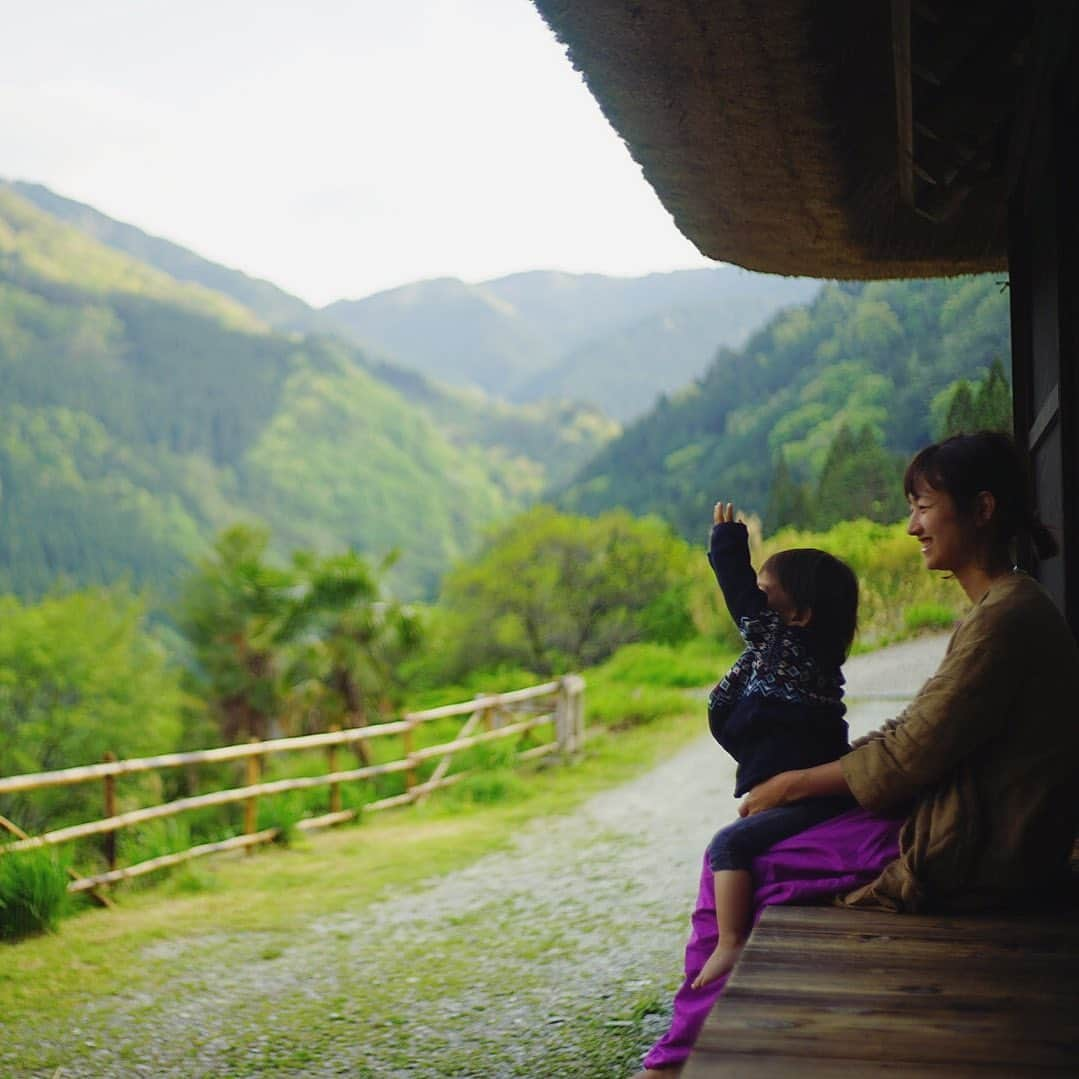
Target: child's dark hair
pixel 819 582
pixel 965 465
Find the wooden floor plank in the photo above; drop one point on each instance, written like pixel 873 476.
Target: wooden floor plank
pixel 830 992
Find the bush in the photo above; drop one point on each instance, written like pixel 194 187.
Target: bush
pixel 33 893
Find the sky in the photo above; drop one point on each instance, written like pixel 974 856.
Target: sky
pixel 334 147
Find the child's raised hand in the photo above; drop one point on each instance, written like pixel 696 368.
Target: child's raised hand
pixel 723 513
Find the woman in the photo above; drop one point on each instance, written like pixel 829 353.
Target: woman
pixel 967 798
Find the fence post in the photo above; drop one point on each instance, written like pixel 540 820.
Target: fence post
pixel 252 772
pixel 331 758
pixel 578 713
pixel 110 811
pixel 562 717
pixel 406 741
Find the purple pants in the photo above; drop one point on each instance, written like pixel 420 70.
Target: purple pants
pixel 825 861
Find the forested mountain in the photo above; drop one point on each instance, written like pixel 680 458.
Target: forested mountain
pixel 556 335
pixel 876 359
pixel 139 414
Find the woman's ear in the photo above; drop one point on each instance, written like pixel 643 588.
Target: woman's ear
pixel 801 618
pixel 985 507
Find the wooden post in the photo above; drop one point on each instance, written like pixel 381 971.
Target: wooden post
pixel 335 788
pixel 110 811
pixel 578 715
pixel 410 773
pixel 563 718
pixel 253 771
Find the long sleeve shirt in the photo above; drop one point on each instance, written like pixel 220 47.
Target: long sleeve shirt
pixel 779 707
pixel 986 759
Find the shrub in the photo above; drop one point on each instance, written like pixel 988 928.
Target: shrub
pixel 33 893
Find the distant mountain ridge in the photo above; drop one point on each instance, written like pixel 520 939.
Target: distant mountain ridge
pixel 545 334
pixel 614 343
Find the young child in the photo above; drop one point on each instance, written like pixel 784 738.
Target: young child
pixel 779 708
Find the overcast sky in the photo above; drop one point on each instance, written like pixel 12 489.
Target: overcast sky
pixel 336 147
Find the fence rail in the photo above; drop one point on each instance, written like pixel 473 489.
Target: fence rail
pixel 559 704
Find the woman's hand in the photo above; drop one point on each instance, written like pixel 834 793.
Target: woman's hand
pixel 723 513
pixel 822 781
pixel 777 791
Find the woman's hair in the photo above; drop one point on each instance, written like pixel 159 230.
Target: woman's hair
pixel 965 465
pixel 817 581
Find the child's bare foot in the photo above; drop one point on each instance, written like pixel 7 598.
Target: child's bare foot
pixel 719 963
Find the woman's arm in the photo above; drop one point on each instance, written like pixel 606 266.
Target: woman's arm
pixel 823 781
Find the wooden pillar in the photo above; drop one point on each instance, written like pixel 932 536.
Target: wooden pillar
pixel 1044 277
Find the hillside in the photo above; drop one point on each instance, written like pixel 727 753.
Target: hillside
pixel 865 355
pixel 139 414
pixel 553 335
pixel 275 307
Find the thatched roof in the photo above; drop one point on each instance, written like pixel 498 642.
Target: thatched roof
pixel 835 138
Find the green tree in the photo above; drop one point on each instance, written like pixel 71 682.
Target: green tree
pixel 236 610
pixel 993 400
pixel 79 675
pixel 552 591
pixel 860 478
pixel 962 417
pixel 788 502
pixel 351 642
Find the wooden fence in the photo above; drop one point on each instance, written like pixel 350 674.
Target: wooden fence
pixel 489 718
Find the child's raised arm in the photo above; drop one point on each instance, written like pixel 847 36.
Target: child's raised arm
pixel 728 554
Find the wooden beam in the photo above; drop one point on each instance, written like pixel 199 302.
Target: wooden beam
pixel 904 104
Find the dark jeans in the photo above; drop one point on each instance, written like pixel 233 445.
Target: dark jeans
pixel 735 846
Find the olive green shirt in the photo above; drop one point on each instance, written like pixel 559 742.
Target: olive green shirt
pixel 986 757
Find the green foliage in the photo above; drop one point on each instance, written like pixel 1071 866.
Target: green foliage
pixel 985 405
pixel 79 675
pixel 154 839
pixel 33 893
pixel 862 355
pixel 351 642
pixel 859 479
pixel 688 666
pixel 552 591
pixel 234 611
pixel 283 812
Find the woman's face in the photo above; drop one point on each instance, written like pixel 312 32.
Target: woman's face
pixel 948 541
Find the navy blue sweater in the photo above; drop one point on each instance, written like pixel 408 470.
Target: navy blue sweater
pixel 779 707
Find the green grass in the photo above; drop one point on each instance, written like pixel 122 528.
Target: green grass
pixel 33 893
pixel 919 617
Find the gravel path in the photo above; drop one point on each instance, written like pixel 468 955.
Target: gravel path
pixel 556 958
